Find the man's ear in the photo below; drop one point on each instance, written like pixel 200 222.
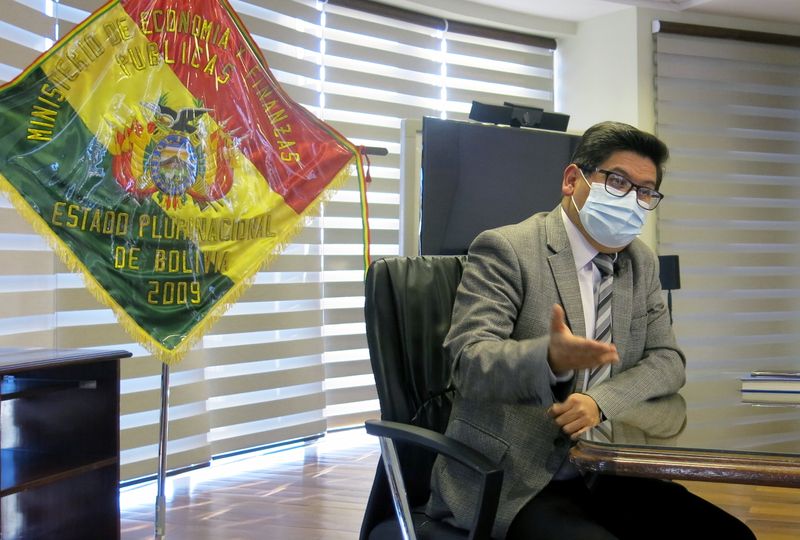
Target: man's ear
pixel 569 182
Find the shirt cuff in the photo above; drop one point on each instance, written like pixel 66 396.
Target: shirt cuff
pixel 564 377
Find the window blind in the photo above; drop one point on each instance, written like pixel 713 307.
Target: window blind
pixel 27 276
pixel 289 360
pixel 730 113
pixel 377 73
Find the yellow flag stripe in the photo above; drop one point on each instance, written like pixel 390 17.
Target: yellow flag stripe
pixel 98 68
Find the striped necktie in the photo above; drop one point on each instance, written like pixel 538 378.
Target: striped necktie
pixel 602 327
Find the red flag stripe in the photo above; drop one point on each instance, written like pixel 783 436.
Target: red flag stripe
pixel 201 43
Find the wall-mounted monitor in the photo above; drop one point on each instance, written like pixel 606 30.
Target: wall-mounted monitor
pixel 477 177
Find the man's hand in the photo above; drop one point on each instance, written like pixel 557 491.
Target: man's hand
pixel 576 414
pixel 570 352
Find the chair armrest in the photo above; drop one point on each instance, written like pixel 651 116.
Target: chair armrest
pixel 491 476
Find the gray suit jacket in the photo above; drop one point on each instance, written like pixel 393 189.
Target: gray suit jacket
pixel 499 339
pixel 659 421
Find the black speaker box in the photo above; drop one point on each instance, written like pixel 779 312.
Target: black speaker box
pixel 669 272
pixel 522 116
pixel 491 114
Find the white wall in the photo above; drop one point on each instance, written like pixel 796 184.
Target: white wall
pixel 605 69
pixel 598 78
pixel 597 71
pixel 604 65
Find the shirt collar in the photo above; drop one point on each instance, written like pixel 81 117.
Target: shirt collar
pixel 582 250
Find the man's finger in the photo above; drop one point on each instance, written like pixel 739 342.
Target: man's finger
pixel 557 321
pixel 568 416
pixel 557 409
pixel 575 427
pixel 580 432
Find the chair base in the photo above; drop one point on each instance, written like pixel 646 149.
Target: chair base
pixel 425 527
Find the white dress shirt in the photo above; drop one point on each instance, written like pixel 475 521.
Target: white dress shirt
pixel 588 274
pixel 588 279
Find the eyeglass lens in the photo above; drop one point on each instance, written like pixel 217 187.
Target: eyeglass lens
pixel 620 186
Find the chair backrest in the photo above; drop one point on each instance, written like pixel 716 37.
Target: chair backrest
pixel 408 305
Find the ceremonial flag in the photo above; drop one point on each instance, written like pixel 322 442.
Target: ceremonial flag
pixel 157 153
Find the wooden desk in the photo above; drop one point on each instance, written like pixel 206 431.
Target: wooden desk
pixel 722 440
pixel 59 433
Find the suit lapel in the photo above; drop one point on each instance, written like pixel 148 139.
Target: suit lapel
pixel 622 305
pixel 562 266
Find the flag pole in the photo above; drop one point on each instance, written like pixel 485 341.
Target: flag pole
pixel 161 501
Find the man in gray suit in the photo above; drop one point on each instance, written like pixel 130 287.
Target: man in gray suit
pixel 522 343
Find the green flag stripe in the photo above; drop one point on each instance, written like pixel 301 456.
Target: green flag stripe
pixel 64 174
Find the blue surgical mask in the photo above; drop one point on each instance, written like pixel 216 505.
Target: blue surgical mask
pixel 611 221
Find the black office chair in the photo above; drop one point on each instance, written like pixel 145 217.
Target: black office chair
pixel 409 301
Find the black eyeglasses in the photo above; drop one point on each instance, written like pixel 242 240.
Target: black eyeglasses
pixel 619 186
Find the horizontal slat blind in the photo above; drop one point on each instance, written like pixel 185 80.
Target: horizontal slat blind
pixel 264 357
pixel 78 320
pixel 256 378
pixel 289 360
pixel 27 278
pixel 730 113
pixel 378 72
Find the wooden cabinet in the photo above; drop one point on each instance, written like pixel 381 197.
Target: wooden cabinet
pixel 59 438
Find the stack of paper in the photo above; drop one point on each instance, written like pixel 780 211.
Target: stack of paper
pixel 771 387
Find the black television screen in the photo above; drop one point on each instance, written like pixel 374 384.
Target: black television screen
pixel 477 177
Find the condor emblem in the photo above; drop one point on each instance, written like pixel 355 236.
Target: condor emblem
pixel 170 153
pixel 160 158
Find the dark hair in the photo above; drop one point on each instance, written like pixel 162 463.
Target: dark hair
pixel 603 139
